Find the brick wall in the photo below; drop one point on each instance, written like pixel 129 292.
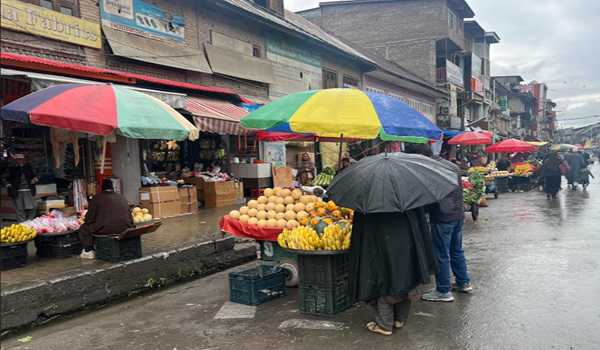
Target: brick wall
pixel 401 31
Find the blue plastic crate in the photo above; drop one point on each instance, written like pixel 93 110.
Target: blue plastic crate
pixel 257 285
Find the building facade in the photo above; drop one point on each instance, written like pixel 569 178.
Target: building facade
pixel 428 37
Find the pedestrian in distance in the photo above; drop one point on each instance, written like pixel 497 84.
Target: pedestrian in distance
pixel 447 221
pixel 21 187
pixel 551 175
pixel 576 163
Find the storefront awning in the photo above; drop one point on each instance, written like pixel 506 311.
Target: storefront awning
pixel 156 52
pixel 40 81
pixel 234 64
pixel 216 116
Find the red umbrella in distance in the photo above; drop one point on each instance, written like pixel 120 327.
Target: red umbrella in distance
pixel 471 138
pixel 511 146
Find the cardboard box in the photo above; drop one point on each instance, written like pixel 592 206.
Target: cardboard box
pixel 222 194
pixel 188 197
pixel 162 210
pixel 251 171
pixel 159 194
pixel 45 190
pixel 199 183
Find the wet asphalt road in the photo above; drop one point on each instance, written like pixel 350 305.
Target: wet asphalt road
pixel 535 264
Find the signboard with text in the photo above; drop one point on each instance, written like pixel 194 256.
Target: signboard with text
pixel 36 20
pixel 454 74
pixel 140 18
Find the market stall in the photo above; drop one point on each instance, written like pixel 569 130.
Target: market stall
pixel 96 113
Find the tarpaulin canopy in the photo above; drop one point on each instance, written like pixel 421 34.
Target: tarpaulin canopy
pixel 216 116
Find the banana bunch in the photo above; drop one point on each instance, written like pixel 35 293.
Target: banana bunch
pixel 16 233
pixel 336 238
pixel 306 238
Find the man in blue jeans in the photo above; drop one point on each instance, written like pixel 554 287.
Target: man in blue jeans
pixel 447 219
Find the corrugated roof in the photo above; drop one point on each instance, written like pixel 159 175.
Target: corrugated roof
pixel 299 25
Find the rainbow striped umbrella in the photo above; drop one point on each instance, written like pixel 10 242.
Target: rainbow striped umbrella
pixel 347 113
pixel 101 109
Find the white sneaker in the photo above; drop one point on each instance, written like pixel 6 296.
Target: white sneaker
pixel 88 255
pixel 434 295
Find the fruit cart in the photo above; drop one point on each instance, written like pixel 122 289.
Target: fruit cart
pixel 13 245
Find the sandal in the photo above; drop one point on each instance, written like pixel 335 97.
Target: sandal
pixel 399 324
pixel 374 327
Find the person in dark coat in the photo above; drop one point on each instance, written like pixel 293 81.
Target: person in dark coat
pixel 21 188
pixel 576 164
pixel 391 255
pixel 503 164
pixel 108 214
pixel 551 175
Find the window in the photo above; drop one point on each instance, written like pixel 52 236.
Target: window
pixel 66 7
pixel 374 90
pixel 47 4
pixel 330 79
pixel 66 11
pixel 256 51
pixel 350 81
pixel 450 19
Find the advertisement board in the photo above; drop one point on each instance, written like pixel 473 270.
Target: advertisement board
pixel 36 20
pixel 140 18
pixel 454 74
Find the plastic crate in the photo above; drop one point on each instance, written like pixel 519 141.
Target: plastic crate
pixel 502 184
pixel 257 285
pixel 13 256
pixel 317 300
pixel 58 246
pixel 114 250
pixel 325 271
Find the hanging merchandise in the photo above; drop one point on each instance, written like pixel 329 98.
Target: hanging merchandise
pixel 79 195
pixel 59 139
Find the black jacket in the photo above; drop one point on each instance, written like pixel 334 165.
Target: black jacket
pixel 14 179
pixel 451 208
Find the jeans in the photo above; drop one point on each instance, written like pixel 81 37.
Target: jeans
pixel 447 242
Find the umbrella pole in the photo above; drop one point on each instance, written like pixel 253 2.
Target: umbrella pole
pixel 340 151
pixel 103 155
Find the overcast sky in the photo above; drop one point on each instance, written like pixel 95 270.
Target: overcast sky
pixel 554 41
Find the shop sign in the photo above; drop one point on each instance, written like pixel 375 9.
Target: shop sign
pixel 140 18
pixel 40 21
pixel 454 74
pixel 476 85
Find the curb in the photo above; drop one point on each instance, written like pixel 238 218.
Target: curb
pixel 40 303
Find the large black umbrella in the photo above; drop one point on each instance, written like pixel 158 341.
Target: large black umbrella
pixel 396 182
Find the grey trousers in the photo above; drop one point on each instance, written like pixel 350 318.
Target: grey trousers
pixel 386 314
pixel 24 206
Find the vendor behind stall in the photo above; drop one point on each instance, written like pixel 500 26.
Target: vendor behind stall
pixel 108 214
pixel 21 188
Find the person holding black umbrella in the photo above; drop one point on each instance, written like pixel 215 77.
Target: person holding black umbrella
pixel 391 249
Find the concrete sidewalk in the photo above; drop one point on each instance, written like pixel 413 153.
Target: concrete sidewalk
pixel 183 248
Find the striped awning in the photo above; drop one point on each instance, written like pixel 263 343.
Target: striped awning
pixel 216 116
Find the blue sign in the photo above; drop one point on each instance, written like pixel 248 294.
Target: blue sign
pixel 138 17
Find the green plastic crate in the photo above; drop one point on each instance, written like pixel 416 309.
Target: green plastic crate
pixel 113 250
pixel 257 285
pixel 320 301
pixel 325 271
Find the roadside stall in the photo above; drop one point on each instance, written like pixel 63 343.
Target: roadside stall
pixel 313 234
pixel 523 180
pixel 98 111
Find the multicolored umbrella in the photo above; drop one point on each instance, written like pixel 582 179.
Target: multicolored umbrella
pixel 471 138
pixel 346 113
pixel 101 109
pixel 511 146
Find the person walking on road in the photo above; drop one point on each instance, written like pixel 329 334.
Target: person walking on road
pixel 576 163
pixel 551 175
